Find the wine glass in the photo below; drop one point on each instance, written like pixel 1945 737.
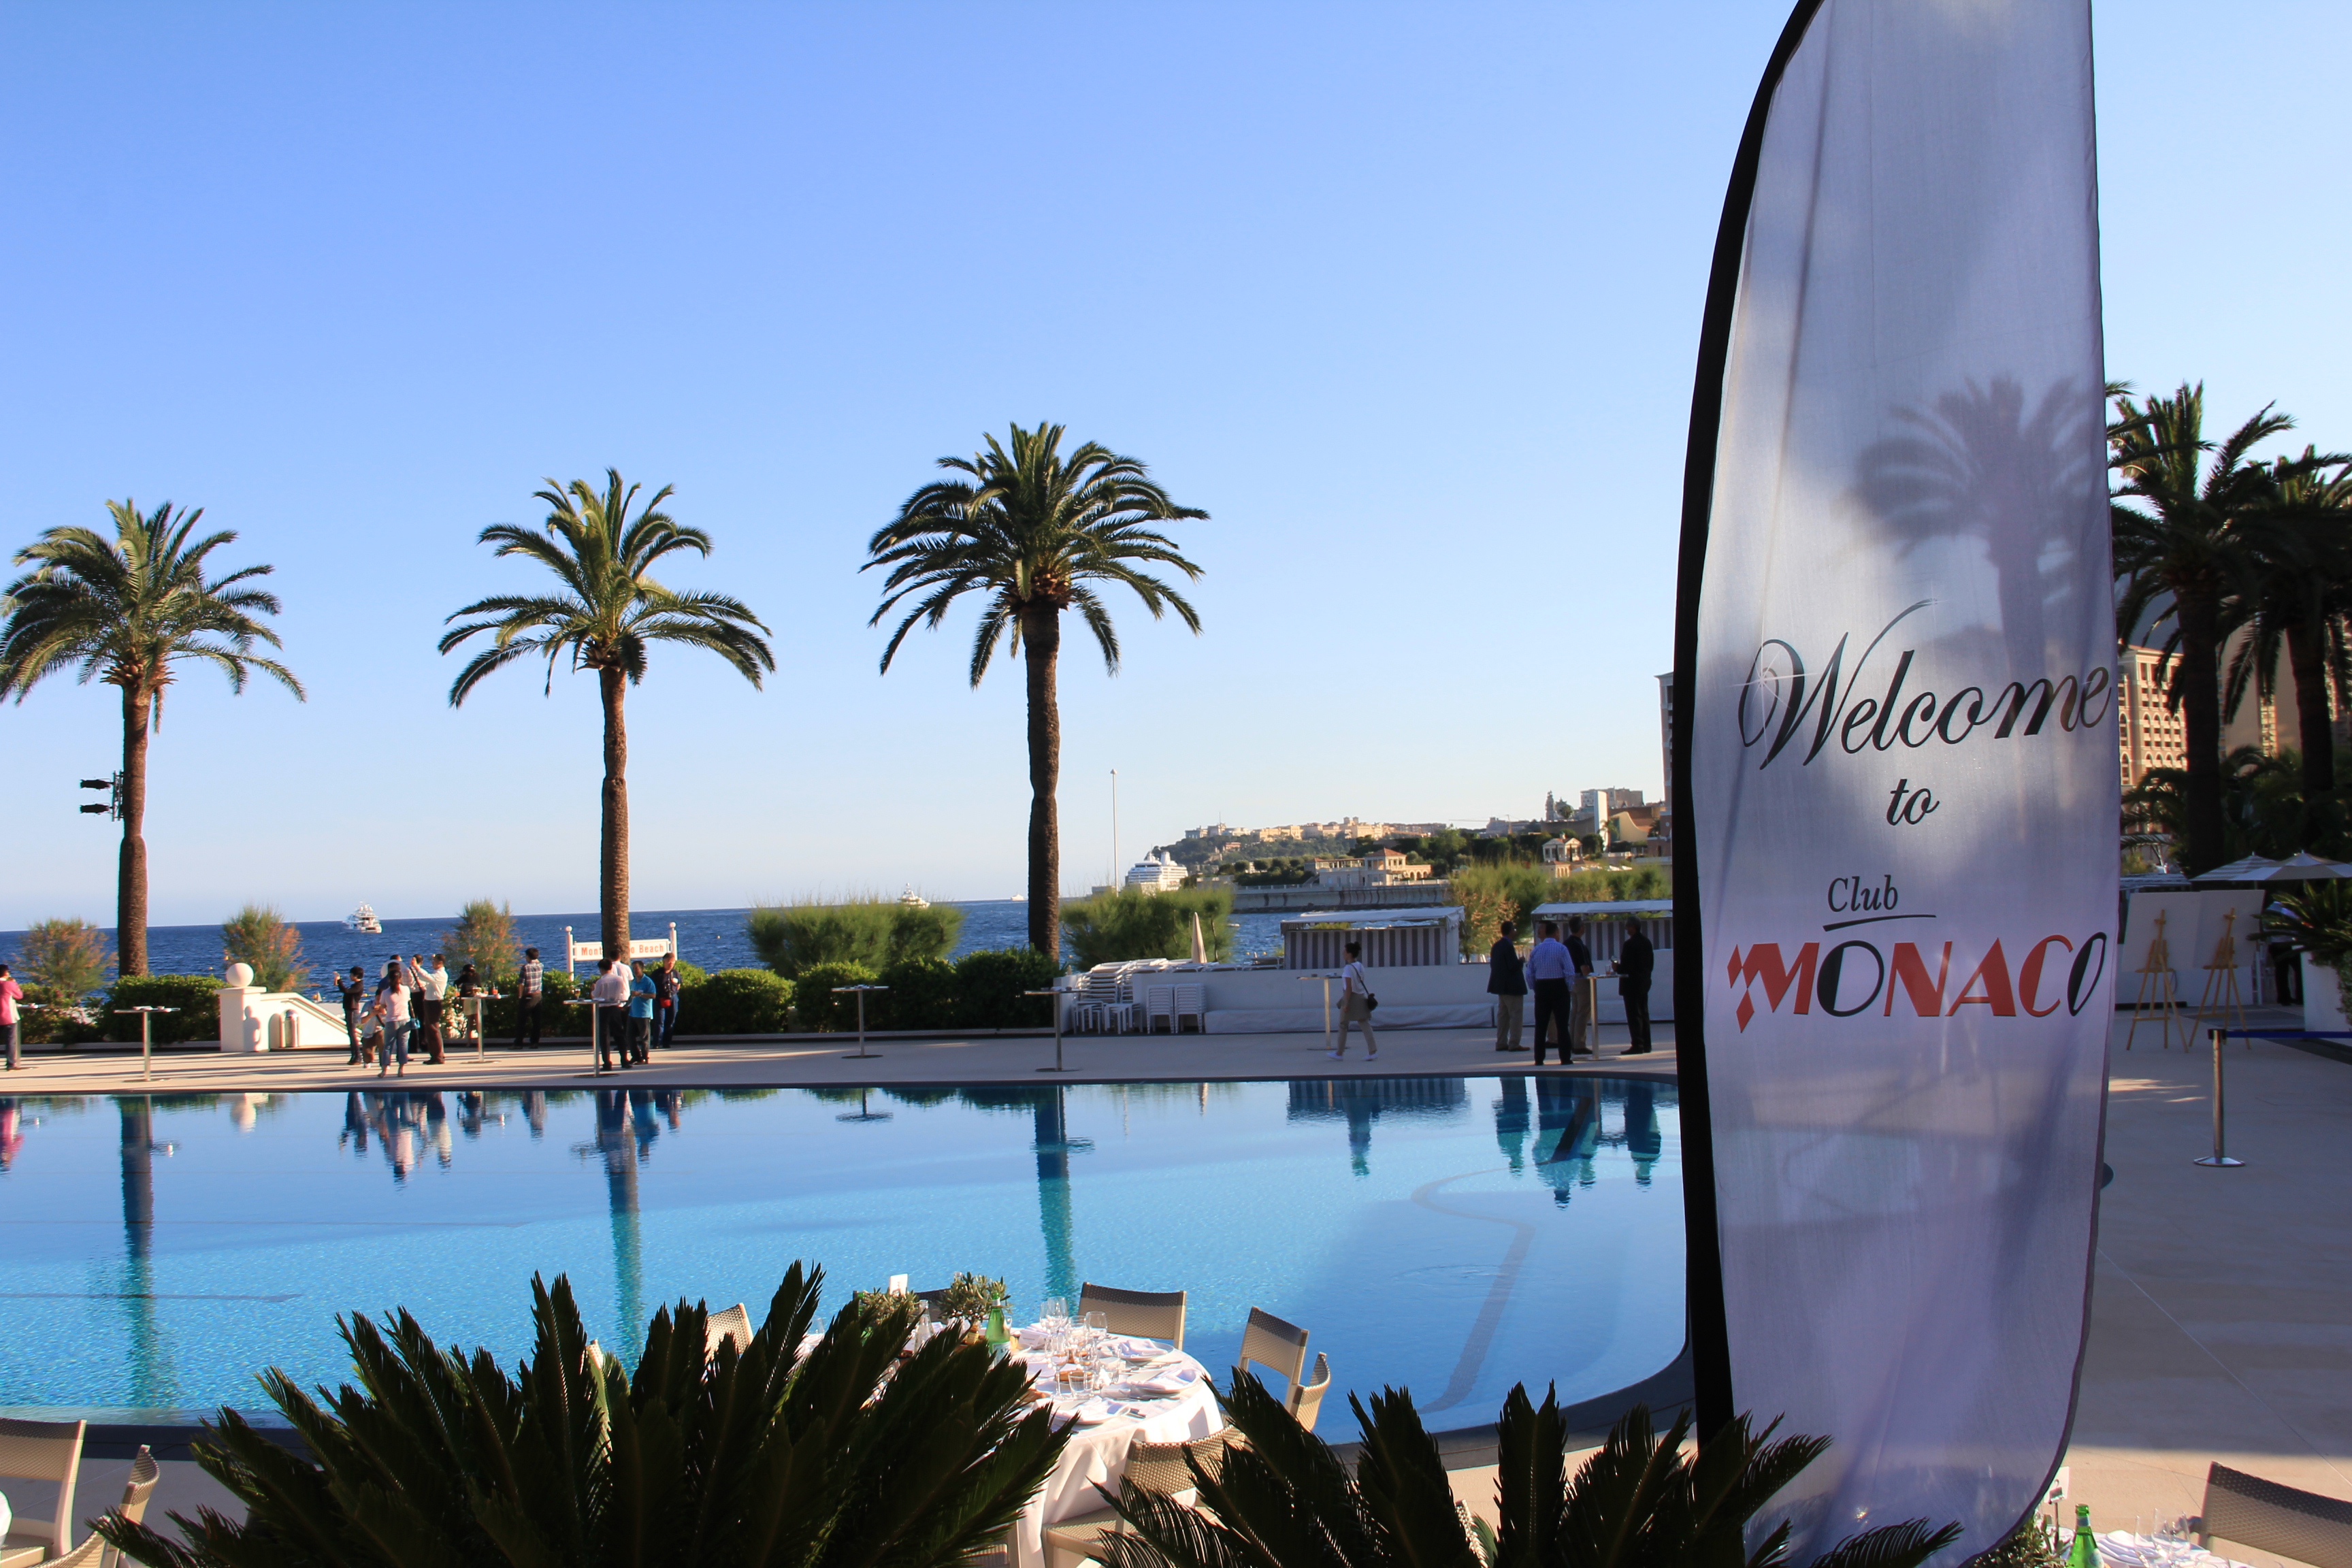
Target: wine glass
pixel 1098 1327
pixel 1054 1314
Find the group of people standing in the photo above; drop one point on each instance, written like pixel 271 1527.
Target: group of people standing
pixel 1556 971
pixel 636 1008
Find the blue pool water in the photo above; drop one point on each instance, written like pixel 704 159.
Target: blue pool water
pixel 1453 1236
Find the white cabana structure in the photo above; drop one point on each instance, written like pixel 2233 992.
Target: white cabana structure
pixel 1392 938
pixel 2302 866
pixel 1606 922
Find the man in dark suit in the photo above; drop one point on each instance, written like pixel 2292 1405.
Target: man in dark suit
pixel 1507 982
pixel 1635 962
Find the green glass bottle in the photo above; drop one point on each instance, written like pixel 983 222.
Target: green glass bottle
pixel 2085 1550
pixel 999 1338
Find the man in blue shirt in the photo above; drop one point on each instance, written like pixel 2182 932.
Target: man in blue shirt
pixel 1552 975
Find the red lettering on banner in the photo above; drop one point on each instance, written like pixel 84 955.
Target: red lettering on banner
pixel 1912 971
pixel 1762 961
pixel 2029 978
pixel 1994 975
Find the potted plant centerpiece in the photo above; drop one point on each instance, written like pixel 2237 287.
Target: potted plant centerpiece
pixel 2317 918
pixel 979 1303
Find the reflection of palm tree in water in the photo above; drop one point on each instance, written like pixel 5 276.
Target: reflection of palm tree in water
pixel 622 1147
pixel 1053 1144
pixel 1985 465
pixel 151 1372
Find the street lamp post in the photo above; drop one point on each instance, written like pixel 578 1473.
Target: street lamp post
pixel 1056 994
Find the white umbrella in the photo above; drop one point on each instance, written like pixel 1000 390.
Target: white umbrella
pixel 1200 945
pixel 2300 866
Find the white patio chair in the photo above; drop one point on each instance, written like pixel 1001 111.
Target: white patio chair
pixel 1158 1469
pixel 41 1451
pixel 1307 1398
pixel 1159 1002
pixel 1119 1013
pixel 1191 1001
pixel 1271 1342
pixel 93 1551
pixel 1148 1314
pixel 734 1324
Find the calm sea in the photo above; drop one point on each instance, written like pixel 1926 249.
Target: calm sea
pixel 714 939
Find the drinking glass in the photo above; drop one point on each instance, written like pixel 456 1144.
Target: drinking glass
pixel 1098 1327
pixel 1054 1313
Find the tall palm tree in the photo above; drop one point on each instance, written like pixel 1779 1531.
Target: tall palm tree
pixel 609 613
pixel 126 610
pixel 1032 530
pixel 2191 537
pixel 2300 603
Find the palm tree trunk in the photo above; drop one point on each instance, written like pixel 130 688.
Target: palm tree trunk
pixel 613 890
pixel 2314 732
pixel 131 881
pixel 2200 720
pixel 1041 640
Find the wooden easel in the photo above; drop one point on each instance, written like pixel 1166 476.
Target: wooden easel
pixel 2157 967
pixel 2221 995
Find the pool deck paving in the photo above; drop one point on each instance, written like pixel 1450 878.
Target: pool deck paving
pixel 2221 1303
pixel 827 1061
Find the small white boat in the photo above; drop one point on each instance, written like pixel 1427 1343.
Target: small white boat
pixel 913 900
pixel 364 920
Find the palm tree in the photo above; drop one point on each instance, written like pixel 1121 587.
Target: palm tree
pixel 610 611
pixel 1032 530
pixel 2302 598
pixel 126 610
pixel 2192 538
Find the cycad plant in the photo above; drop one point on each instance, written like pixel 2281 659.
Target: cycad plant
pixel 608 614
pixel 1284 1499
pixel 2190 530
pixel 844 1455
pixel 1033 532
pixel 125 612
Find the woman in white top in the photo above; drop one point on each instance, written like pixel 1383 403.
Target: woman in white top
pixel 391 1007
pixel 1356 1002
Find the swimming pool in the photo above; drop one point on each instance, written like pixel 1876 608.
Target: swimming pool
pixel 1453 1236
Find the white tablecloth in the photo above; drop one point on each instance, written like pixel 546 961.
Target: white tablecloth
pixel 2122 1549
pixel 1097 1455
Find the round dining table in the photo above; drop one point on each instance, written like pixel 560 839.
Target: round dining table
pixel 1165 1397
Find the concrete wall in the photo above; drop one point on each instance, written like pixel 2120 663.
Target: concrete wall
pixel 1443 995
pixel 254 1020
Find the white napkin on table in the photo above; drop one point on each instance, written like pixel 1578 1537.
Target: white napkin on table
pixel 1175 1379
pixel 1138 1350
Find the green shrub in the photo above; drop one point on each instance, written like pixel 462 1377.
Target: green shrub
pixel 989 982
pixel 814 1006
pixel 1489 895
pixel 68 955
pixel 873 931
pixel 196 996
pixel 555 1019
pixel 43 1018
pixel 259 935
pixel 734 1001
pixel 922 995
pixel 1126 923
pixel 484 937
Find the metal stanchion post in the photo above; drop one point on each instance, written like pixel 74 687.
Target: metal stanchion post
pixel 861 1053
pixel 1327 1005
pixel 146 1037
pixel 1056 994
pixel 2219 1156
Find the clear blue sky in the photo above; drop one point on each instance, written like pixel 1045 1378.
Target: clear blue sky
pixel 1405 297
